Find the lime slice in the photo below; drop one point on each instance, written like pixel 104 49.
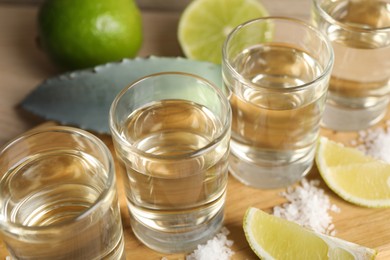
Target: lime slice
pixel 352 175
pixel 272 237
pixel 204 25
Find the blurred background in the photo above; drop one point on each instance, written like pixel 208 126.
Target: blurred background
pixel 144 4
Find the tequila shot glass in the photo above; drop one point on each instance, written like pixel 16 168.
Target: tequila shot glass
pixel 276 71
pixel 58 197
pixel 359 88
pixel 171 131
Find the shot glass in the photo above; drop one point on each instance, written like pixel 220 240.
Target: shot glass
pixel 171 131
pixel 58 197
pixel 359 89
pixel 276 71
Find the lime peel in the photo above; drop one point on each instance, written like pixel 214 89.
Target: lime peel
pixel 81 34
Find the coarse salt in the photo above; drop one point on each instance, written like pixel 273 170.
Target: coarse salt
pixel 375 142
pixel 308 206
pixel 217 248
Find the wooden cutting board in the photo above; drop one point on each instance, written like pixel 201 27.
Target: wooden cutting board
pixel 364 226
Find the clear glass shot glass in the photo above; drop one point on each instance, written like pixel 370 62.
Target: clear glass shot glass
pixel 277 71
pixel 171 131
pixel 58 197
pixel 359 89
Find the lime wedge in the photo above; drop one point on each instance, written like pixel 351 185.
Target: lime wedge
pixel 272 237
pixel 352 175
pixel 204 25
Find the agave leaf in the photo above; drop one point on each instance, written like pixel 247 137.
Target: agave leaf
pixel 83 98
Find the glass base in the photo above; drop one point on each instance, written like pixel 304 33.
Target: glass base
pixel 269 176
pixel 119 252
pixel 181 242
pixel 352 119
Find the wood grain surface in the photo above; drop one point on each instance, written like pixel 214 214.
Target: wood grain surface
pixel 23 66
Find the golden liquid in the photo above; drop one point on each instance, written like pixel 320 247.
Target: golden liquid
pixel 361 72
pixel 268 121
pixel 171 185
pixel 52 190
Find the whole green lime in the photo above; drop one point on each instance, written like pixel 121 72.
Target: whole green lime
pixel 83 33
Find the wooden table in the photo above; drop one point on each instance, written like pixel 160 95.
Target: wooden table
pixel 23 66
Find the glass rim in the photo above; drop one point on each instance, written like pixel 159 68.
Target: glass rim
pixel 188 155
pixel 326 71
pixel 108 184
pixel 348 27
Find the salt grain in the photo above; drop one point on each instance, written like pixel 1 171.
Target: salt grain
pixel 308 206
pixel 375 142
pixel 217 248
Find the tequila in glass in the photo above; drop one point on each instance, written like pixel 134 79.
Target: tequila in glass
pixel 175 152
pixel 58 201
pixel 359 88
pixel 277 94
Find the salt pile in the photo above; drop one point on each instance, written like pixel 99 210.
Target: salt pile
pixel 375 142
pixel 308 206
pixel 217 248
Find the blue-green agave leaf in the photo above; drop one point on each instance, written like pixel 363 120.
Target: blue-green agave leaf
pixel 83 98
